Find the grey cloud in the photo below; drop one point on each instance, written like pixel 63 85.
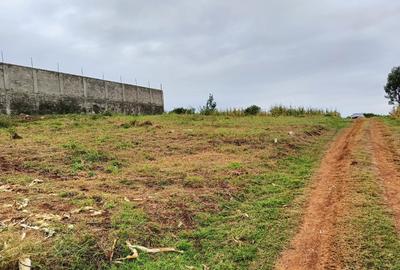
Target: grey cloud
pixel 318 53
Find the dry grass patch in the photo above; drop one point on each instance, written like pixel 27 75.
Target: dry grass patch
pixel 155 180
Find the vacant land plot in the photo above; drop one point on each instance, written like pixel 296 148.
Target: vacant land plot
pixel 227 191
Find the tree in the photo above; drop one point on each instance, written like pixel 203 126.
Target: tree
pixel 182 110
pixel 211 106
pixel 252 110
pixel 392 87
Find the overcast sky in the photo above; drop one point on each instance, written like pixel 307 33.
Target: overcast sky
pixel 330 53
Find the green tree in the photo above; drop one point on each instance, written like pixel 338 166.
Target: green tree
pixel 211 106
pixel 252 110
pixel 392 87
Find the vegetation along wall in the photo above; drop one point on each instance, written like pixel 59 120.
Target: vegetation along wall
pixel 36 91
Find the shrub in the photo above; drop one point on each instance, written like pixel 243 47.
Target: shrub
pixel 252 110
pixel 281 110
pixel 193 182
pixel 182 110
pixel 6 122
pixel 370 115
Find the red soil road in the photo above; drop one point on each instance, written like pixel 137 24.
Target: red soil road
pixel 314 245
pixel 387 163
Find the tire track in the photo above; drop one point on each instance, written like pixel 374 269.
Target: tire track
pixel 314 246
pixel 387 161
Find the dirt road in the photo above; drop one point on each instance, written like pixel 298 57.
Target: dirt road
pixel 315 246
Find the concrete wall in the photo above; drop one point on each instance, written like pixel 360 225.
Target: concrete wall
pixel 36 91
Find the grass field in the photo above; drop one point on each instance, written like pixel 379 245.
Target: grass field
pixel 218 188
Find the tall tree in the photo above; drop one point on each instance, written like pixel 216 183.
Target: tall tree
pixel 392 87
pixel 211 106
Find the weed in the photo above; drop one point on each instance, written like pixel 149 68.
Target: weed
pixel 73 253
pixel 128 221
pixel 68 194
pixel 110 205
pixel 82 158
pixel 235 165
pixel 127 182
pixel 114 166
pixel 124 145
pixel 6 122
pixel 193 182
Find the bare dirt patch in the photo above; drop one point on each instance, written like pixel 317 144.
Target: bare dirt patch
pixel 16 166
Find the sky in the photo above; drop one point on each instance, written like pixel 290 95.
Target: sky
pixel 332 54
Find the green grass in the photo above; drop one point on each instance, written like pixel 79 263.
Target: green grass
pixel 128 222
pixel 6 122
pixel 217 187
pixel 72 252
pixel 252 228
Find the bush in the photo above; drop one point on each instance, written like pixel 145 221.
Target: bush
pixel 6 122
pixel 252 110
pixel 301 111
pixel 370 115
pixel 182 110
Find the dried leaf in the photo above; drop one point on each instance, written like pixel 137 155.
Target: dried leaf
pixel 96 213
pixel 112 249
pixel 48 217
pixel 5 188
pixel 35 181
pixel 24 203
pixel 23 235
pixel 24 264
pixel 152 250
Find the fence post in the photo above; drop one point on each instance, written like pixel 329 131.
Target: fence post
pixel 34 78
pixel 137 91
pixel 123 89
pixel 5 75
pixel 162 98
pixel 60 80
pixel 137 97
pixel 61 83
pixel 7 97
pixel 106 93
pixel 35 86
pixel 84 92
pixel 151 96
